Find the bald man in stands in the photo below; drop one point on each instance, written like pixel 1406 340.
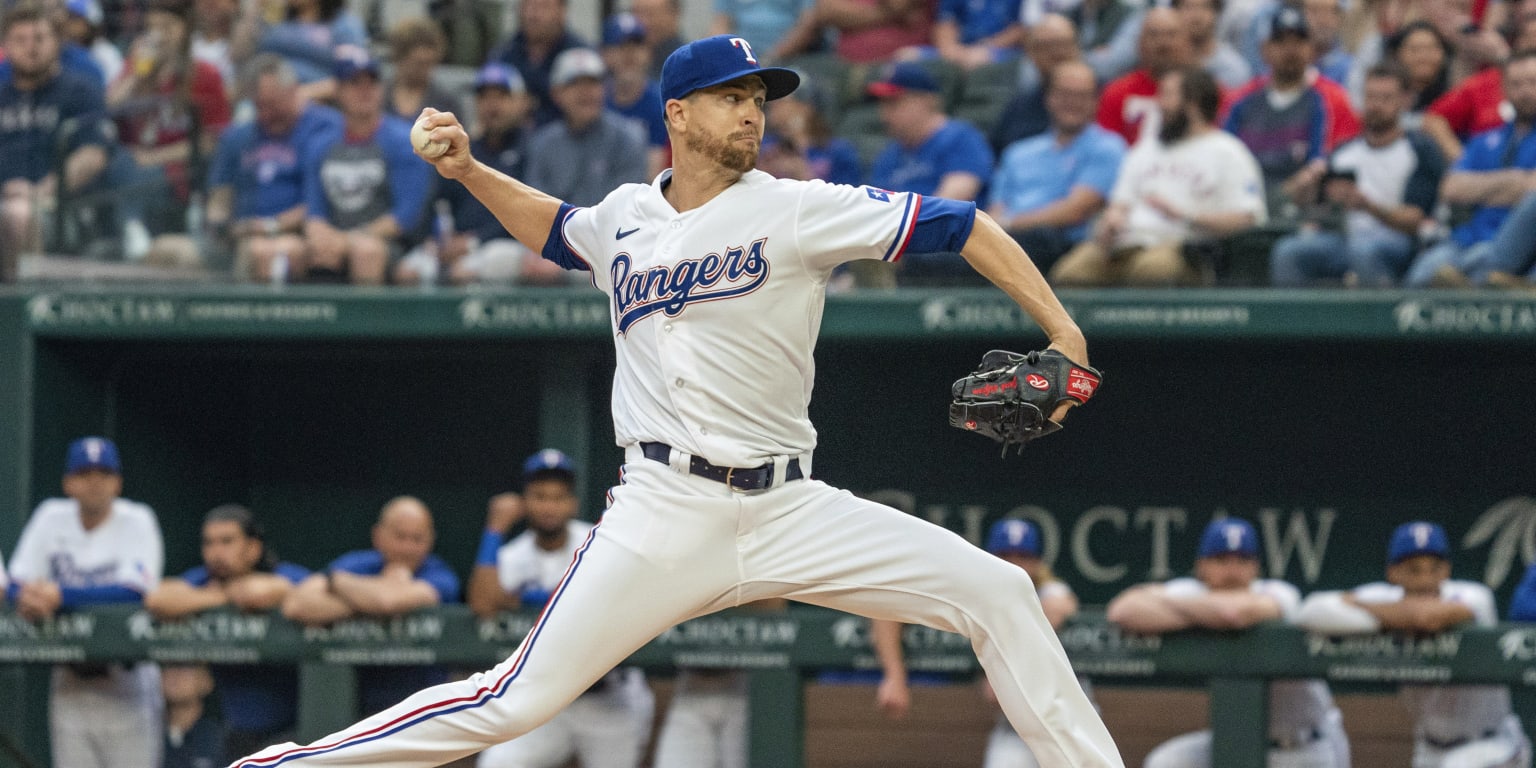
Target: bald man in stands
pixel 397 576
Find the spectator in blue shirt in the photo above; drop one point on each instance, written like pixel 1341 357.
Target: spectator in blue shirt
pixel 397 576
pixel 44 109
pixel 366 192
pixel 974 33
pixel 541 35
pixel 239 572
pixel 256 179
pixel 1048 188
pixel 1492 175
pixel 630 90
pixel 929 153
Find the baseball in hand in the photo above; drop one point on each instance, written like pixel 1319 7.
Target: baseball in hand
pixel 426 146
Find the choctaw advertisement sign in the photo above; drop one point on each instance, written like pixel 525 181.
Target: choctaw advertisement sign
pixel 1105 548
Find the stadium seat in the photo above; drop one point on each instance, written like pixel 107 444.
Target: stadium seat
pixel 833 77
pixel 984 92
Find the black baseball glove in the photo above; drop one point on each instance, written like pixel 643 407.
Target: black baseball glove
pixel 1011 397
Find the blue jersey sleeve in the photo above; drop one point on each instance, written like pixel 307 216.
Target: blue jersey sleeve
pixel 363 562
pixel 293 573
pixel 80 597
pixel 442 578
pixel 943 225
pixel 951 10
pixel 1522 606
pixel 197 577
pixel 557 248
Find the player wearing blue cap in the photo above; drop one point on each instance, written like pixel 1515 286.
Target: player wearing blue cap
pixel 717 272
pixel 1456 726
pixel 1019 542
pixel 93 548
pixel 608 725
pixel 1226 593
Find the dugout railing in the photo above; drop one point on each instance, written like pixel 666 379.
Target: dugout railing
pixel 781 650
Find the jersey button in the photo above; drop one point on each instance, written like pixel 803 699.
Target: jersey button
pixel 677 225
pixel 667 327
pixel 679 382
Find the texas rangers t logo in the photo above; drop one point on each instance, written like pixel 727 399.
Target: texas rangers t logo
pixel 671 288
pixel 745 47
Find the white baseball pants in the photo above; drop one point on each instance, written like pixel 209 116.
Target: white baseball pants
pixel 704 729
pixel 108 721
pixel 674 546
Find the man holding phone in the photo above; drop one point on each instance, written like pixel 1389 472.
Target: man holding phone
pixel 1384 182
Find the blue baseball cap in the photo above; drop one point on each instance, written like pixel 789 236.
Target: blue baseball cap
pixel 90 10
pixel 1019 537
pixel 622 28
pixel 720 59
pixel 1289 22
pixel 1229 536
pixel 92 453
pixel 1418 538
pixel 548 460
pixel 905 77
pixel 499 75
pixel 353 60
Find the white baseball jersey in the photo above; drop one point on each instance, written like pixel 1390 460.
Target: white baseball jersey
pixel 1212 173
pixel 1295 706
pixel 110 717
pixel 715 313
pixel 1450 712
pixel 522 562
pixel 690 373
pixel 124 550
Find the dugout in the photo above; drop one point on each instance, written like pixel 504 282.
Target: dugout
pixel 1326 417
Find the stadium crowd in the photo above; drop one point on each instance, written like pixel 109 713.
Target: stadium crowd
pixel 1285 142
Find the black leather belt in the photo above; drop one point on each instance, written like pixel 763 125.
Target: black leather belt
pixel 737 478
pixel 1453 743
pixel 1296 740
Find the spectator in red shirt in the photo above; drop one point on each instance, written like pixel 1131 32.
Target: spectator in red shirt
pixel 1164 46
pixel 1290 50
pixel 1476 105
pixel 169 109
